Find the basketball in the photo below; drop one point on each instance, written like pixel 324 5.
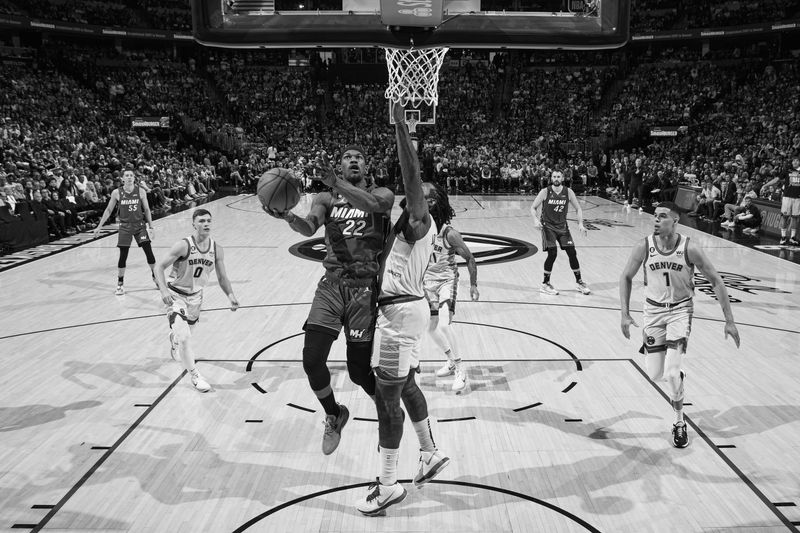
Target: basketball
pixel 278 189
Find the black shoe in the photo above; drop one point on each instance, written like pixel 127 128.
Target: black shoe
pixel 680 435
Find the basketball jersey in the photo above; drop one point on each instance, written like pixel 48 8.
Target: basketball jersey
pixel 354 240
pixel 190 274
pixel 791 186
pixel 443 260
pixel 405 266
pixel 668 275
pixel 131 216
pixel 554 209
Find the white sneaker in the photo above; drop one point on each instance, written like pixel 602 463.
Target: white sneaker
pixel 447 369
pixel 200 383
pixel 460 380
pixel 548 289
pixel 430 469
pixel 173 347
pixel 379 497
pixel 120 290
pixel 583 287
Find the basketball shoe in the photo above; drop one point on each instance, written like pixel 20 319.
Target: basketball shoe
pixel 379 497
pixel 200 383
pixel 448 369
pixel 460 380
pixel 680 435
pixel 548 289
pixel 430 468
pixel 583 287
pixel 333 430
pixel 120 290
pixel 793 242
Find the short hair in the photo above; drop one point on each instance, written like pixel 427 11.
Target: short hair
pixel 671 206
pixel 200 212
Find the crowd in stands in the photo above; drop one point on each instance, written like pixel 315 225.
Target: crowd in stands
pixel 504 122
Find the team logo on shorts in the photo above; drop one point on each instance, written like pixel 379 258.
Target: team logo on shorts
pixel 487 249
pixel 650 340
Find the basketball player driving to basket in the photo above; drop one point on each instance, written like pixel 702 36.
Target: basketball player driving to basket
pixel 402 320
pixel 356 216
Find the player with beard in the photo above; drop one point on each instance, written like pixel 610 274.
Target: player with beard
pixel 441 284
pixel 356 216
pixel 554 201
pixel 667 260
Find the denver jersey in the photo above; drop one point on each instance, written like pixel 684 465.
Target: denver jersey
pixel 554 209
pixel 190 274
pixel 354 240
pixel 443 260
pixel 131 216
pixel 405 267
pixel 668 275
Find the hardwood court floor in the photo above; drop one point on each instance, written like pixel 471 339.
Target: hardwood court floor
pixel 559 430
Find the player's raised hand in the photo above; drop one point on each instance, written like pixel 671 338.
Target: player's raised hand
pixel 730 329
pixel 283 215
pixel 326 174
pixel 627 322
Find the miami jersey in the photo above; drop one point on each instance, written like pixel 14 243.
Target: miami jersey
pixel 354 240
pixel 443 260
pixel 406 263
pixel 131 215
pixel 190 274
pixel 668 275
pixel 554 209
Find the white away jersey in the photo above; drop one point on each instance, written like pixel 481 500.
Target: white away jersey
pixel 405 266
pixel 668 275
pixel 443 261
pixel 190 274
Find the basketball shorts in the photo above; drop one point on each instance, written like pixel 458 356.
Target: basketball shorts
pixel 398 337
pixel 125 237
pixel 439 293
pixel 552 236
pixel 185 307
pixel 790 206
pixel 666 326
pixel 336 307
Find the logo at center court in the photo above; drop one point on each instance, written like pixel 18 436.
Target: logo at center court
pixel 487 249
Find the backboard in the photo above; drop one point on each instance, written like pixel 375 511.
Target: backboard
pixel 494 24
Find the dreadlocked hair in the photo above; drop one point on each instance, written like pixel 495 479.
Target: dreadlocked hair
pixel 441 212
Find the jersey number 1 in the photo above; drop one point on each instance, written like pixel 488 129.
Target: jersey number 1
pixel 666 278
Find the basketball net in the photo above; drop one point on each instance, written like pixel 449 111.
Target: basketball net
pixel 414 78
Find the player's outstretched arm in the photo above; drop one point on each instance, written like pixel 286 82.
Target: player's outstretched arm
pixel 419 220
pixel 378 200
pixel 179 249
pixel 637 257
pixel 112 203
pixel 308 225
pixel 222 276
pixel 697 256
pixel 456 241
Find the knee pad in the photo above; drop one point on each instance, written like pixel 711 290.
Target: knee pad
pixel 316 348
pixel 148 253
pixel 180 330
pixel 358 366
pixel 123 256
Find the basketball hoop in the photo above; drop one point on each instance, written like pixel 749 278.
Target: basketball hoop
pixel 414 75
